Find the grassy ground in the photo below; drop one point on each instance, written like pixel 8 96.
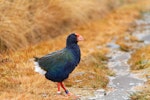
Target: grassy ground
pixel 28 22
pixel 140 62
pixel 19 81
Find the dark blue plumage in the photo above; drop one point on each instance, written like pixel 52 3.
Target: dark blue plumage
pixel 58 65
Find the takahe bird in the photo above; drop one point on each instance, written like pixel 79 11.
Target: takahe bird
pixel 57 66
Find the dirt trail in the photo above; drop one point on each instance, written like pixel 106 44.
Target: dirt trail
pixel 123 83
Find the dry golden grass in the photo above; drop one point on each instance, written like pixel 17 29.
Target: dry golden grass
pixel 26 22
pixel 141 61
pixel 145 92
pixel 19 81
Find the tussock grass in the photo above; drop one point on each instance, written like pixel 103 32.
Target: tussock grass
pixel 26 22
pixel 141 95
pixel 141 61
pixel 19 81
pixel 18 74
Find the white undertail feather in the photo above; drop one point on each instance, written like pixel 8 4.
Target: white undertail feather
pixel 39 69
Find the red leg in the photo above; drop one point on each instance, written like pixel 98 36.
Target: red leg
pixel 58 86
pixel 66 91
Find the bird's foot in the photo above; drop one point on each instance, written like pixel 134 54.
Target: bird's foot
pixel 73 96
pixel 69 94
pixel 59 92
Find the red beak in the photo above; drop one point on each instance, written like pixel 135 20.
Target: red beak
pixel 79 37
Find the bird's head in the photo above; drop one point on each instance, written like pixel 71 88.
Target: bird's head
pixel 74 38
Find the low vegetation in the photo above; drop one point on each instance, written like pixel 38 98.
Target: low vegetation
pixel 141 95
pixel 140 61
pixel 18 74
pixel 18 79
pixel 26 22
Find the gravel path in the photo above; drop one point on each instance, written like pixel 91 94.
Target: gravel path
pixel 122 84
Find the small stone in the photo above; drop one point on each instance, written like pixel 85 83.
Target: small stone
pixel 100 93
pixel 44 95
pixel 113 45
pixel 78 74
pixel 131 84
pixel 77 81
pixel 92 98
pixel 118 83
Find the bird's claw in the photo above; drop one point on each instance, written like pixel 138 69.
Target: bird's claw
pixel 69 94
pixel 73 97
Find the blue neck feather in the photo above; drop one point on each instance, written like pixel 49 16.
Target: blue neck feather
pixel 74 48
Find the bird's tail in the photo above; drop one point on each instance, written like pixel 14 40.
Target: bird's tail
pixel 36 59
pixel 37 66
